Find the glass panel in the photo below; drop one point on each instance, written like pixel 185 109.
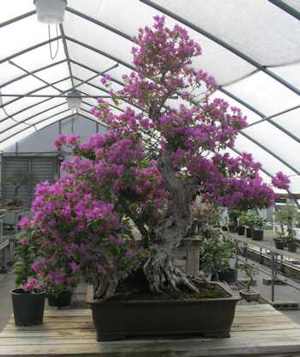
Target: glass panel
pixel 21 35
pixel 90 58
pixel 55 73
pixel 8 73
pixel 228 67
pixel 40 57
pixel 270 163
pixel 296 5
pixel 52 120
pixel 264 93
pixel 14 8
pixel 48 114
pixel 290 121
pixel 257 28
pixel 275 140
pixel 289 73
pixel 27 131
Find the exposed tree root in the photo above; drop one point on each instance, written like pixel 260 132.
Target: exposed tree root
pixel 164 276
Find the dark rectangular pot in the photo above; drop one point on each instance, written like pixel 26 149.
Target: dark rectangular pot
pixel 292 246
pixel 232 228
pixel 249 232
pixel 28 308
pixel 115 320
pixel 279 243
pixel 241 230
pixel 257 234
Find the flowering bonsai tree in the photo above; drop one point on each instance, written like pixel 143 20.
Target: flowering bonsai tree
pixel 125 202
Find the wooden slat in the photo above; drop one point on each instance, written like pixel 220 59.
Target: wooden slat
pixel 258 330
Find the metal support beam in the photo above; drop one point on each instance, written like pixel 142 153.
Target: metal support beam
pixel 31 73
pixel 24 121
pixel 220 42
pixel 17 18
pixel 34 76
pixel 285 7
pixel 102 53
pixel 271 153
pixel 42 121
pixel 32 105
pixel 28 49
pixel 263 116
pixel 61 27
pixel 51 95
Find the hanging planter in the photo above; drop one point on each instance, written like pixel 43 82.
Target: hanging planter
pixel 50 12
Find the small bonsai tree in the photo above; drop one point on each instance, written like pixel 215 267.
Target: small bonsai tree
pixel 286 216
pixel 250 272
pixel 147 169
pixel 18 180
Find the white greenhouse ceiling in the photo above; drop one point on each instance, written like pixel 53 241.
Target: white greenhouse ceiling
pixel 252 47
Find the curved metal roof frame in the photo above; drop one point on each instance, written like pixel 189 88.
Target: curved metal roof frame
pixel 66 39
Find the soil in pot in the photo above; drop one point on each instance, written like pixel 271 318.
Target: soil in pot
pixel 257 234
pixel 249 232
pixel 279 243
pixel 241 230
pixel 249 295
pixel 292 246
pixel 62 299
pixel 142 314
pixel 28 308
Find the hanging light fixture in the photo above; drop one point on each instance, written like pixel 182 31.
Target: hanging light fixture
pixel 74 100
pixel 50 11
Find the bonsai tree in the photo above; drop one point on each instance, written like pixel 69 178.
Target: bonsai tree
pixel 286 216
pixel 18 180
pixel 147 168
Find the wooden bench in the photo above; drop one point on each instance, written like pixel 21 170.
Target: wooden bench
pixel 258 330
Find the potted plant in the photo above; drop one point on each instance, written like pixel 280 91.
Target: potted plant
pixel 125 202
pixel 286 217
pixel 249 294
pixel 233 215
pixel 28 299
pixel 242 223
pixel 249 220
pixel 215 255
pixel 257 231
pixel 280 240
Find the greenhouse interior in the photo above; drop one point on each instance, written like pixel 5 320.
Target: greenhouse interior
pixel 150 185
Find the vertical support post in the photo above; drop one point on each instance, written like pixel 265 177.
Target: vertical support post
pixel 193 256
pixel 273 277
pixel 260 256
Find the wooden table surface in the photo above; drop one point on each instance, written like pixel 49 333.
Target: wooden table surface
pixel 258 330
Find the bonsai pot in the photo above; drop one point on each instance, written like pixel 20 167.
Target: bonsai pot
pixel 119 319
pixel 241 230
pixel 292 246
pixel 257 234
pixel 28 308
pixel 279 243
pixel 62 299
pixel 249 295
pixel 229 275
pixel 249 232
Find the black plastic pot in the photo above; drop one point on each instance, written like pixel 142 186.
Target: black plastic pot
pixel 115 320
pixel 292 246
pixel 28 308
pixel 232 228
pixel 279 243
pixel 241 230
pixel 257 234
pixel 229 275
pixel 62 299
pixel 249 232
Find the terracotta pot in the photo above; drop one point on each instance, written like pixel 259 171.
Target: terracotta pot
pixel 115 320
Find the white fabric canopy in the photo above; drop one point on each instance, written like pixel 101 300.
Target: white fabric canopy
pixel 251 47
